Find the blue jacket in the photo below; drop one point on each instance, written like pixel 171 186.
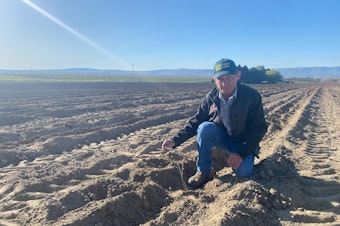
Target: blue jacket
pixel 248 124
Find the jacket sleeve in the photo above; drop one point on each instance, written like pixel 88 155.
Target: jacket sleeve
pixel 191 127
pixel 255 129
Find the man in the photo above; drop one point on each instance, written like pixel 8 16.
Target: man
pixel 230 117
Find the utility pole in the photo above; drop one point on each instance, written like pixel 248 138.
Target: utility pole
pixel 133 72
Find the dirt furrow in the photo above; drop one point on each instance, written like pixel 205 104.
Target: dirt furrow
pixel 309 148
pixel 283 118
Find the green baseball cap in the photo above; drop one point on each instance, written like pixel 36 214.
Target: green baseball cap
pixel 224 67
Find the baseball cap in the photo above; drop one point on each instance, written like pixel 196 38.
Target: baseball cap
pixel 224 67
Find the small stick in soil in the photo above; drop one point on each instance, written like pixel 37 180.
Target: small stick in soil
pixel 180 168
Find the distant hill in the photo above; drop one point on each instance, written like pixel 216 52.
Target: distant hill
pixel 91 71
pixel 310 72
pixel 298 72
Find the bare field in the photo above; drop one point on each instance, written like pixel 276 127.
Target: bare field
pixel 89 154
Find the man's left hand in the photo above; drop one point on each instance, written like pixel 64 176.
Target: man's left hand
pixel 234 160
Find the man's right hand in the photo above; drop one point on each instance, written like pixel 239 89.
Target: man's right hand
pixel 167 145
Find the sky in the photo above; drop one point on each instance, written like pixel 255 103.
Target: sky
pixel 168 34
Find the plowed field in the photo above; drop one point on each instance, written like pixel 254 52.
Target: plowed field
pixel 90 154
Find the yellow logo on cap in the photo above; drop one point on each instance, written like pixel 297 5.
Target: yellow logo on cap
pixel 218 67
pixel 222 66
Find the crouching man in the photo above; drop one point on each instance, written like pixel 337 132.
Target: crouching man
pixel 231 118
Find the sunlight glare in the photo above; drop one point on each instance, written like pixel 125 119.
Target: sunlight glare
pixel 77 34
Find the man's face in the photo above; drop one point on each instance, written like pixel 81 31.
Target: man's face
pixel 226 84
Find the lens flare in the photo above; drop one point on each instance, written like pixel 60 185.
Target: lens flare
pixel 77 34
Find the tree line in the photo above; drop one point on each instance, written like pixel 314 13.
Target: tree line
pixel 259 74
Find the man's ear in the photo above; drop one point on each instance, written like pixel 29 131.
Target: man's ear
pixel 238 75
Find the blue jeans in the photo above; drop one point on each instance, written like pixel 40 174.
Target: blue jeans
pixel 210 135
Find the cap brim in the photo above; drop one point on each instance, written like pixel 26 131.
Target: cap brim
pixel 220 73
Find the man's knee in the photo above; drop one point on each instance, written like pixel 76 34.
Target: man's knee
pixel 245 170
pixel 206 128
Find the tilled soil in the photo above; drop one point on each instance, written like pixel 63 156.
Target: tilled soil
pixel 90 154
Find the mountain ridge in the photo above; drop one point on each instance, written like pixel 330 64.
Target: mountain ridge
pixel 298 72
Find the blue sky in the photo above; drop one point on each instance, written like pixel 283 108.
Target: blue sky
pixel 168 34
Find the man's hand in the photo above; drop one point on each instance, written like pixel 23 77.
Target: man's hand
pixel 234 160
pixel 167 145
